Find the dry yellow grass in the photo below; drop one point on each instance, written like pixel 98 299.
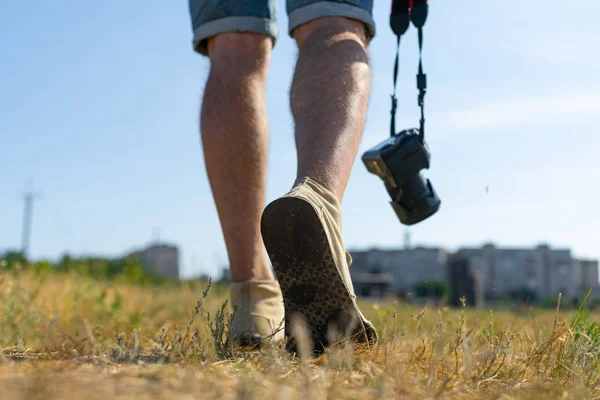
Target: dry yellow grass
pixel 68 336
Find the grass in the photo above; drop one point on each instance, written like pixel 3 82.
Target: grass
pixel 70 336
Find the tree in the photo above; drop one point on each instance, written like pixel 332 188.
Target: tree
pixel 432 289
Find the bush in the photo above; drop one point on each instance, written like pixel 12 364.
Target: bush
pixel 432 289
pixel 12 260
pixel 128 269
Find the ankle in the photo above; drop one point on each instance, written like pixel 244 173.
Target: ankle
pixel 252 274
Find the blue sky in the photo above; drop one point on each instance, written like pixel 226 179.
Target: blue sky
pixel 99 106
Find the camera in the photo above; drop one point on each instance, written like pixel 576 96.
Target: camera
pixel 398 161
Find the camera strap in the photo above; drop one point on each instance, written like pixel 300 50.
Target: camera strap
pixel 404 12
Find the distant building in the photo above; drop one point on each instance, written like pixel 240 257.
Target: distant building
pixel 405 268
pixel 586 277
pixel 374 284
pixel 488 272
pixel 225 275
pixel 466 283
pixel 527 274
pixel 162 259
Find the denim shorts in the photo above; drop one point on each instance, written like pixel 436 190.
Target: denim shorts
pixel 213 17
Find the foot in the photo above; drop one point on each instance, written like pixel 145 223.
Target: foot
pixel 302 234
pixel 259 315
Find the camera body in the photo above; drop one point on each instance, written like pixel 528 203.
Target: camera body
pixel 398 161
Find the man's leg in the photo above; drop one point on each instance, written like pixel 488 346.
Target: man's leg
pixel 302 230
pixel 235 140
pixel 238 41
pixel 329 98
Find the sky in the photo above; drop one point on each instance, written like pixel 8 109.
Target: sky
pixel 99 108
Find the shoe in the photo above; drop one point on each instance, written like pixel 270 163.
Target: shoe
pixel 302 234
pixel 259 316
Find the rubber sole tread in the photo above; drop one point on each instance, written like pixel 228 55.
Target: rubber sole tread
pixel 312 287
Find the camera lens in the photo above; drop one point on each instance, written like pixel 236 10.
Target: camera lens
pixel 413 191
pixel 418 201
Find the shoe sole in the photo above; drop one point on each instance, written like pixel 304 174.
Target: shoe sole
pixel 312 287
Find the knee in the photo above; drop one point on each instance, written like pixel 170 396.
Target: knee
pixel 330 30
pixel 240 53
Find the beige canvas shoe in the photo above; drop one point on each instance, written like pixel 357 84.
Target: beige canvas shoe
pixel 259 315
pixel 302 232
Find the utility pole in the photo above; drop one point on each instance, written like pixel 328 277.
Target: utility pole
pixel 29 197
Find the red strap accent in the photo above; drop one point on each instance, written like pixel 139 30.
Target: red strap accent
pixel 411 4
